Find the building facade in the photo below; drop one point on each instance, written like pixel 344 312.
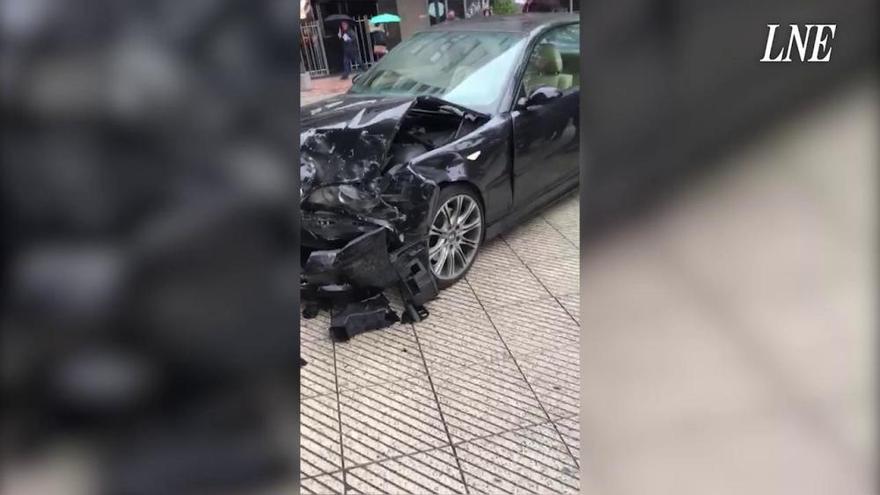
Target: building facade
pixel 321 50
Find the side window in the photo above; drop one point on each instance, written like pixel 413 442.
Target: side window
pixel 555 60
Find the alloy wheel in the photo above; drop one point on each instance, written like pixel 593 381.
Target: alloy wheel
pixel 455 237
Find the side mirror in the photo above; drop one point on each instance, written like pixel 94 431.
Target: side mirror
pixel 540 96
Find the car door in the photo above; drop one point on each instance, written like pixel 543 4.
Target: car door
pixel 545 137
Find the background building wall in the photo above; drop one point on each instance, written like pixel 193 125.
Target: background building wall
pixel 413 17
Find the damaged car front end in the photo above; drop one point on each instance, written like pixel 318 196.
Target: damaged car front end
pixel 457 134
pixel 366 210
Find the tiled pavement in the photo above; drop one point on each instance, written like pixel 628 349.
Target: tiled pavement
pixel 481 397
pixel 322 88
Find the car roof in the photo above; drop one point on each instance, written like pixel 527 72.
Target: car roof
pixel 519 23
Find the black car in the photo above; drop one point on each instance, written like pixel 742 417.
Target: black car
pixel 455 135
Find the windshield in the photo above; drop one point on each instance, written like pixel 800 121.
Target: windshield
pixel 466 68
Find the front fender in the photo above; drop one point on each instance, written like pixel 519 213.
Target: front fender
pixel 482 159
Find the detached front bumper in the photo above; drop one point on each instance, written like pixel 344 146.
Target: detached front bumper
pixel 343 279
pixel 363 262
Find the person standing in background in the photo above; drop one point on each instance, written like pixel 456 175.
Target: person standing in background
pixel 379 40
pixel 349 48
pixel 450 16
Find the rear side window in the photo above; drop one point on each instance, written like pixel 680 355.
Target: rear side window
pixel 555 60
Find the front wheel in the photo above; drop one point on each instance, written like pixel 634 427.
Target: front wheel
pixel 456 234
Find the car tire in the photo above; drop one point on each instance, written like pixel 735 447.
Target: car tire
pixel 457 242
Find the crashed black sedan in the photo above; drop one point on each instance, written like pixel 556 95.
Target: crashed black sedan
pixel 455 135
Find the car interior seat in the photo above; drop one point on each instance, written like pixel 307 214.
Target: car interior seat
pixel 571 64
pixel 545 69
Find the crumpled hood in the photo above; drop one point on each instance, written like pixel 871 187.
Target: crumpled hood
pixel 346 140
pixel 343 109
pixel 348 186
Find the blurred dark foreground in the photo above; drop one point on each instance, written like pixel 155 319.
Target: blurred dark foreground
pixel 149 321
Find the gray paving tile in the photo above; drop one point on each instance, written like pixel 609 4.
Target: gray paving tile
pixel 565 218
pixel 570 429
pixel 561 276
pixel 318 377
pixel 430 472
pixel 555 377
pixel 502 280
pixel 537 241
pixel 485 400
pixel 328 484
pixel 315 329
pixel 495 255
pixel 564 213
pixel 571 232
pixel 535 326
pixel 390 420
pixel 530 460
pixel 572 305
pixel 458 332
pixel 381 356
pixel 319 436
pixel 567 225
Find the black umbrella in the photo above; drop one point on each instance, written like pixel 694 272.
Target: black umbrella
pixel 338 17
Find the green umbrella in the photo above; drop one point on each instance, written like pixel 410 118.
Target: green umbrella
pixel 384 19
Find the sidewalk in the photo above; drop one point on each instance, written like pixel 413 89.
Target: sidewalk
pixel 323 88
pixel 481 397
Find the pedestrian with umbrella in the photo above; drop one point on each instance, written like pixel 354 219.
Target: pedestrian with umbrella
pixel 378 36
pixel 379 40
pixel 349 42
